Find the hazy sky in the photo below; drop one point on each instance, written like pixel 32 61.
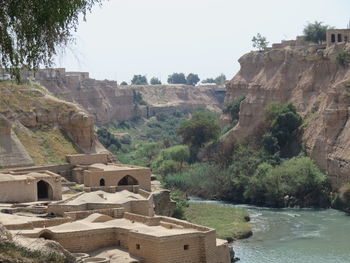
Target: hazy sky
pixel 207 37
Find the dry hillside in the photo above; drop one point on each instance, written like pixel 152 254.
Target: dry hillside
pixel 316 83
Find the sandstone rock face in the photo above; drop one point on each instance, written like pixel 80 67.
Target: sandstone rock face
pixel 319 87
pixel 106 101
pixel 35 109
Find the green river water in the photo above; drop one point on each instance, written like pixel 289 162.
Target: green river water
pixel 295 236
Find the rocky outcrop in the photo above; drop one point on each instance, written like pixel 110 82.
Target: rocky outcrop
pixel 314 81
pixel 31 108
pixel 106 101
pixel 12 152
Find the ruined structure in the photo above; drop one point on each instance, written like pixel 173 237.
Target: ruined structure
pixel 335 36
pixel 29 187
pixel 117 216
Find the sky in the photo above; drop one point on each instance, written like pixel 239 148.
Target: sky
pixel 156 38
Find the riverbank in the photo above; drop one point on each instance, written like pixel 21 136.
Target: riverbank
pixel 230 222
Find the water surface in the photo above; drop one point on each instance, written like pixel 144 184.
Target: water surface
pixel 294 236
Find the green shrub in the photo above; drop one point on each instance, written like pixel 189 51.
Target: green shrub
pixel 181 203
pixel 296 182
pixel 233 107
pixel 283 123
pixel 107 139
pixel 343 58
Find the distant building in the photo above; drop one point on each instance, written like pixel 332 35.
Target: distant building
pixel 337 36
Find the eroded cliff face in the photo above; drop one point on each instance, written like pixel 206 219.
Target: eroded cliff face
pixel 106 101
pixel 39 118
pixel 319 87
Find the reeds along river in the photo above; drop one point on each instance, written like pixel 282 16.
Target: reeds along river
pixel 295 236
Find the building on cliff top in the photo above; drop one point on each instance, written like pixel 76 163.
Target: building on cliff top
pixel 18 187
pixel 335 36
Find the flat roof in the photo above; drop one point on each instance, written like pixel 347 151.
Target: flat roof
pixel 21 176
pixel 133 226
pixel 115 167
pixel 104 197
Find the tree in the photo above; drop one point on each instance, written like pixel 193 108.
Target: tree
pixel 209 80
pixel 316 32
pixel 233 107
pixel 259 42
pixel 107 139
pixel 202 128
pixel 31 31
pixel 139 80
pixel 177 78
pixel 155 81
pixel 220 80
pixel 283 121
pixel 192 79
pixel 124 83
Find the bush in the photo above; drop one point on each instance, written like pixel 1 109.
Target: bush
pixel 283 122
pixel 108 139
pixel 296 182
pixel 155 81
pixel 343 58
pixel 192 79
pixel 177 78
pixel 202 128
pixel 137 97
pixel 139 80
pixel 181 203
pixel 233 107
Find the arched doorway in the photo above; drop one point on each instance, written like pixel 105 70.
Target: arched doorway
pixel 102 182
pixel 128 180
pixel 46 235
pixel 44 190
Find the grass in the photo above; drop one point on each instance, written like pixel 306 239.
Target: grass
pixel 10 252
pixel 46 146
pixel 229 222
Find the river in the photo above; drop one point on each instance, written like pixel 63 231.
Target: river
pixel 294 236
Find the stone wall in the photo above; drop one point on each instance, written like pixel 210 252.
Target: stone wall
pixel 87 159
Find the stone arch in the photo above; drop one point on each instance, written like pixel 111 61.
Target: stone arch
pixel 44 190
pixel 128 180
pixel 46 235
pixel 102 182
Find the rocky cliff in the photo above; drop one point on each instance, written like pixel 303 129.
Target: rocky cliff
pixel 106 101
pixel 41 129
pixel 316 83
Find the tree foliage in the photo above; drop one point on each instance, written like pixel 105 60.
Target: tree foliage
pixel 283 122
pixel 31 31
pixel 233 107
pixel 260 42
pixel 139 80
pixel 219 80
pixel 108 139
pixel 123 83
pixel 202 128
pixel 316 32
pixel 177 78
pixel 192 79
pixel 155 81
